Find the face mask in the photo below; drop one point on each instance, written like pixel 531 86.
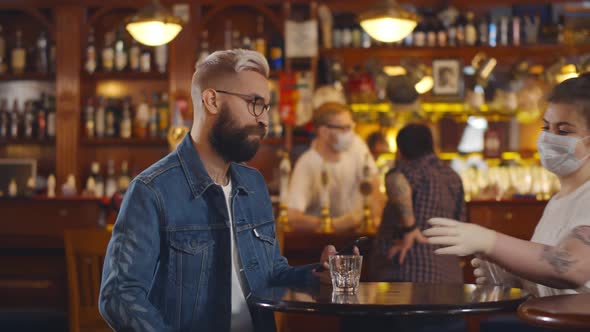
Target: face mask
pixel 558 153
pixel 343 141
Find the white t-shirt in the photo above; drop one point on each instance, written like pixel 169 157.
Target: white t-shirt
pixel 345 177
pixel 560 217
pixel 240 314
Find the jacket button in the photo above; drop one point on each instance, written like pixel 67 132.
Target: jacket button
pixel 193 244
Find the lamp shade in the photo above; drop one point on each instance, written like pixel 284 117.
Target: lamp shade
pixel 154 25
pixel 388 22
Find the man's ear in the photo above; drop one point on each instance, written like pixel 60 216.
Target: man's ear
pixel 210 101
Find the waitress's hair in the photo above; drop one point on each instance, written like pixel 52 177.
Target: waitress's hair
pixel 576 92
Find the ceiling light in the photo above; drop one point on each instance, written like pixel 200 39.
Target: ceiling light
pixel 388 22
pixel 154 25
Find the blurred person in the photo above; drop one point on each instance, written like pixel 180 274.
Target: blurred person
pixel 196 234
pixel 377 144
pixel 418 188
pixel 344 156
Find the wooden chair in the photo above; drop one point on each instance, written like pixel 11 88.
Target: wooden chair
pixel 85 250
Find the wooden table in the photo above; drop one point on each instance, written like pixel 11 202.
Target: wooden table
pixel 558 312
pixel 395 303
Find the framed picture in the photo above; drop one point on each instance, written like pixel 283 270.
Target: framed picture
pixel 448 78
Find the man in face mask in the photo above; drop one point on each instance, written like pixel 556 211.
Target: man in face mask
pixel 195 235
pixel 345 161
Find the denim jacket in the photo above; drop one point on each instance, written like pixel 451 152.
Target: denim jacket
pixel 167 266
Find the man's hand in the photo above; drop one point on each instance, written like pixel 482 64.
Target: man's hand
pixel 324 258
pixel 403 246
pixel 459 238
pixel 324 275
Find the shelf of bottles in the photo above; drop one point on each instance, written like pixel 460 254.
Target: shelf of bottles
pixel 112 121
pixel 101 185
pixel 449 33
pixel 123 58
pixel 19 61
pixel 32 124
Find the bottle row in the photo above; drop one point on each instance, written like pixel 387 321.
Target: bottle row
pixel 98 185
pixel 119 54
pixel 33 120
pixel 111 117
pixel 451 28
pixel 18 58
pixel 232 38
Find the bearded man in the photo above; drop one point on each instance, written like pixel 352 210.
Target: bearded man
pixel 195 235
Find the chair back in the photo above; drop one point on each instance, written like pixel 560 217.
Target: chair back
pixel 85 251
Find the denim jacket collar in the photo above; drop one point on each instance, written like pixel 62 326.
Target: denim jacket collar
pixel 196 175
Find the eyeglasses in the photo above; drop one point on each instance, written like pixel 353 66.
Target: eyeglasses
pixel 340 128
pixel 257 102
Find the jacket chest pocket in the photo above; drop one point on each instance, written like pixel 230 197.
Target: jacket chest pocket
pixel 189 257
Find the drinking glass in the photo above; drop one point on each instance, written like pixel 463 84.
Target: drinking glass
pixel 345 271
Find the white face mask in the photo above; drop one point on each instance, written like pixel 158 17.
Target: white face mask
pixel 343 141
pixel 558 153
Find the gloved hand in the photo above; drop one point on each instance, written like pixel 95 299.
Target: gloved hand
pixel 459 238
pixel 488 273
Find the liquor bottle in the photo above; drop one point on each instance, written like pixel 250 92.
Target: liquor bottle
pixel 4 119
pixel 419 35
pixel 260 41
pixel 19 55
pixel 100 118
pixel 98 179
pixel 236 40
pixel 153 122
pixel 3 59
pixel 108 52
pixel 120 51
pixel 204 46
pixel 142 119
pixel 227 36
pixel 483 32
pixel 460 27
pixel 51 124
pixel 124 177
pixel 145 61
pixel 111 181
pixel 125 131
pixel 493 33
pixel 134 55
pixel 42 112
pixel 28 119
pixel 516 31
pixel 504 31
pixel 42 57
pixel 276 54
pixel 161 57
pixel 470 30
pixel 163 115
pixel 90 65
pixel 431 32
pixel 14 120
pixel 90 119
pixel 110 118
pixel 442 36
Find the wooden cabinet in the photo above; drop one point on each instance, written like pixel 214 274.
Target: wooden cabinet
pixel 514 218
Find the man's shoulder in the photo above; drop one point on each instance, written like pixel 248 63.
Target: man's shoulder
pixel 159 169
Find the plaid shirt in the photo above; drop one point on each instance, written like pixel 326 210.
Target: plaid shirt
pixel 437 191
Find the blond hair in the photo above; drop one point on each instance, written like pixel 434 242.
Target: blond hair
pixel 220 65
pixel 324 113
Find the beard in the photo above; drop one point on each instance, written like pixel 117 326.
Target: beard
pixel 231 142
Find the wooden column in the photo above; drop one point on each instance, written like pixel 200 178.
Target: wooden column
pixel 68 23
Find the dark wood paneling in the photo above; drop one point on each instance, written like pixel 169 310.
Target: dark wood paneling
pixel 68 36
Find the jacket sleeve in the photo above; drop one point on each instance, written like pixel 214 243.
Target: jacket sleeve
pixel 130 263
pixel 285 275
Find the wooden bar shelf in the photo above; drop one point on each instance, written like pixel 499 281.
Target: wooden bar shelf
pixel 111 141
pixel 25 141
pixel 125 76
pixel 27 77
pixel 545 52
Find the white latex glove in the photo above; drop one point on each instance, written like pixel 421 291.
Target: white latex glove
pixel 488 273
pixel 459 238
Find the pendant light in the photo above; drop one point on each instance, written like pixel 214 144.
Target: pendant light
pixel 154 25
pixel 388 22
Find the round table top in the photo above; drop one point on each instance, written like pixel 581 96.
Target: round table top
pixel 391 299
pixel 562 311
